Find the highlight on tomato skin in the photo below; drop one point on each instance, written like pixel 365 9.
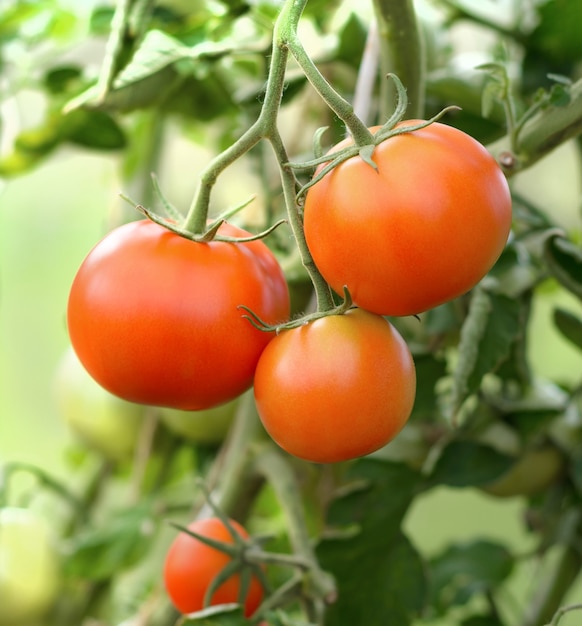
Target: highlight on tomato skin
pixel 155 317
pixel 340 387
pixel 191 566
pixel 433 219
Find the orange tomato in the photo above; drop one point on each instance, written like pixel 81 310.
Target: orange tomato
pixel 422 229
pixel 337 388
pixel 191 566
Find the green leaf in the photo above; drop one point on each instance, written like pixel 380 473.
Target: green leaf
pixel 105 550
pixel 352 41
pixel 429 369
pixel 224 615
pixel 482 620
pixel 467 569
pixel 157 51
pixel 59 79
pixel 384 492
pixel 569 325
pixel 380 576
pixel 492 325
pixel 469 463
pixel 100 21
pixel 557 34
pixel 564 260
pixel 379 581
pixel 92 129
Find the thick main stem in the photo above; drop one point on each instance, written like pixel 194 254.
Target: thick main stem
pixel 279 473
pixel 401 53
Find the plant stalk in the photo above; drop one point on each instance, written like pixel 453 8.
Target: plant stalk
pixel 401 53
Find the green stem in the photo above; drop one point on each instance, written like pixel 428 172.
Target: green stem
pixel 341 107
pixel 114 47
pixel 543 132
pixel 45 480
pixel 562 611
pixel 231 478
pixel 265 127
pixel 322 291
pixel 198 214
pixel 547 600
pixel 279 473
pixel 551 127
pixel 401 53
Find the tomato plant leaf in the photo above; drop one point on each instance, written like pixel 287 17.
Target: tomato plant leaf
pixel 223 615
pixel 380 576
pixel 569 325
pixel 557 35
pixel 493 324
pixel 469 463
pixel 429 369
pixel 379 581
pixel 482 620
pixel 92 129
pixel 352 40
pixel 116 544
pixel 564 260
pixel 464 570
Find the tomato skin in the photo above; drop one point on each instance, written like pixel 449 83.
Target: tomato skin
pixel 421 230
pixel 337 388
pixel 191 566
pixel 153 316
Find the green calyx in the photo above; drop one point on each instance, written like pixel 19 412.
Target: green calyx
pixel 343 307
pixel 365 150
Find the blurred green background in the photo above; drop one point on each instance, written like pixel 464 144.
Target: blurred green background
pixel 50 218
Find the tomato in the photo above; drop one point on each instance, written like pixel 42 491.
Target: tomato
pixel 191 566
pixel 102 421
pixel 153 316
pixel 207 426
pixel 29 567
pixel 337 388
pixel 422 229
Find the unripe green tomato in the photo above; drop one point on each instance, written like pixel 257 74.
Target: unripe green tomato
pixel 100 420
pixel 208 426
pixel 533 472
pixel 29 567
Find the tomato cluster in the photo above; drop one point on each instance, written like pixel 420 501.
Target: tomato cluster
pixel 156 318
pixel 420 228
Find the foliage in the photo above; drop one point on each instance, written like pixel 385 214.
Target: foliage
pixel 333 538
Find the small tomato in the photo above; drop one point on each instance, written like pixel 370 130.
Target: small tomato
pixel 191 566
pixel 337 388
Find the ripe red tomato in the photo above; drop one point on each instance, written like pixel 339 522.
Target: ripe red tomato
pixel 153 316
pixel 191 566
pixel 337 388
pixel 422 229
